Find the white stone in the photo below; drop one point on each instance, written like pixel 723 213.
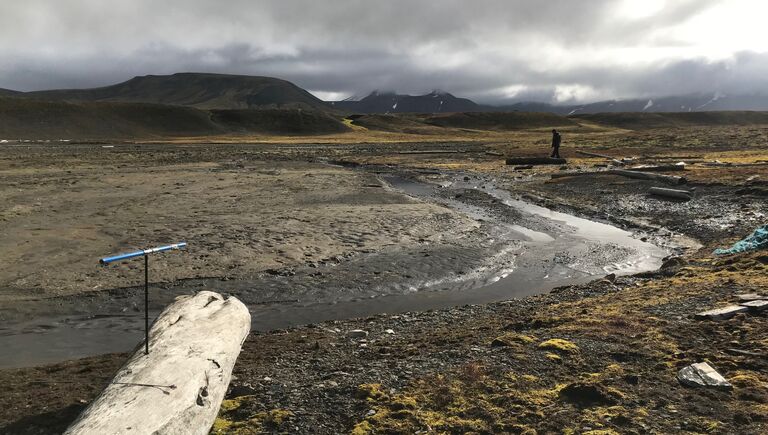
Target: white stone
pixel 702 375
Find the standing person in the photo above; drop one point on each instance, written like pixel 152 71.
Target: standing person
pixel 555 144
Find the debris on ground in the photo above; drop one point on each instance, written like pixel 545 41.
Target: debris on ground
pixel 722 313
pixel 757 240
pixel 702 375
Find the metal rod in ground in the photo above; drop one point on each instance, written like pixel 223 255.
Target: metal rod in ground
pixel 146 304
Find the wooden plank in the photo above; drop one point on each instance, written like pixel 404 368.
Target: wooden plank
pixel 758 305
pixel 670 179
pixel 179 386
pixel 534 161
pixel 670 193
pixel 658 168
pixel 721 313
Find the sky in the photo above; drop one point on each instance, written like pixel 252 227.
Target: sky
pixel 493 51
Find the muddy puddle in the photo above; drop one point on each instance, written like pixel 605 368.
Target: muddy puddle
pixel 517 249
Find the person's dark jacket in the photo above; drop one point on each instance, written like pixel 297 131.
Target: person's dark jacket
pixel 555 140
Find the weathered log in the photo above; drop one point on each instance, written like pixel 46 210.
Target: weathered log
pixel 671 179
pixel 431 152
pixel 179 386
pixel 534 161
pixel 670 193
pixel 613 159
pixel 658 168
pixel 585 153
pixel 578 174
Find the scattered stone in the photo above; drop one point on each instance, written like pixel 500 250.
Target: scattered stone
pixel 721 313
pixel 389 331
pixel 240 390
pixel 584 394
pixel 359 333
pixel 746 297
pixel 702 375
pixel 758 305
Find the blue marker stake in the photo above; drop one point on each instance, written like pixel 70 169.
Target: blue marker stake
pixel 145 253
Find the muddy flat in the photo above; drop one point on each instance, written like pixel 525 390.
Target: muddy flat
pixel 362 236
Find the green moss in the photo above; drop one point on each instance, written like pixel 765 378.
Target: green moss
pixel 371 392
pixel 511 339
pixel 559 344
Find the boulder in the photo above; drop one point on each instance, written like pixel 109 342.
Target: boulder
pixel 702 375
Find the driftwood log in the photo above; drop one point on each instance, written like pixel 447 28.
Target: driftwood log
pixel 669 179
pixel 519 161
pixel 670 193
pixel 179 386
pixel 659 168
pixel 613 159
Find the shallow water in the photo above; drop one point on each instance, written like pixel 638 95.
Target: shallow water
pixel 530 252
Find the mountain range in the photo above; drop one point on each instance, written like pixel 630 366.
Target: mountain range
pixel 227 91
pixel 441 102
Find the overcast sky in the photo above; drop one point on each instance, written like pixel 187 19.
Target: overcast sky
pixel 560 51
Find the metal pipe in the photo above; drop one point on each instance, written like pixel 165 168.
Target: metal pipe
pixel 107 260
pixel 146 304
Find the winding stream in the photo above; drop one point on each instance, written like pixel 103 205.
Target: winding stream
pixel 519 249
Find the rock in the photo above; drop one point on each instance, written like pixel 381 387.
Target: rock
pixel 758 305
pixel 702 375
pixel 240 390
pixel 746 297
pixel 610 278
pixel 359 333
pixel 673 262
pixel 584 394
pixel 721 313
pixel 389 331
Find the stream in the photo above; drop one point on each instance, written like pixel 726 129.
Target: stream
pixel 518 249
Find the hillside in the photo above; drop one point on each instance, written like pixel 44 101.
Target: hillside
pixel 22 118
pixel 643 121
pixel 200 90
pixel 500 121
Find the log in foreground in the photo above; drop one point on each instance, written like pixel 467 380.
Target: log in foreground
pixel 534 161
pixel 179 386
pixel 671 193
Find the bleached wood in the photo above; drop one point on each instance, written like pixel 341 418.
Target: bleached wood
pixel 179 386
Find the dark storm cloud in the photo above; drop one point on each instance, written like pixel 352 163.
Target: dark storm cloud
pixel 493 50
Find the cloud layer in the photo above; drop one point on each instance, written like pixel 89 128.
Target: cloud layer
pixel 489 50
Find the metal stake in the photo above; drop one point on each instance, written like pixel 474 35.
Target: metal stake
pixel 145 253
pixel 146 304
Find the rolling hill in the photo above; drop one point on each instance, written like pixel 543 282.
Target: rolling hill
pixel 200 90
pixel 23 118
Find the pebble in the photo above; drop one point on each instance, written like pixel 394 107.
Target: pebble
pixel 357 333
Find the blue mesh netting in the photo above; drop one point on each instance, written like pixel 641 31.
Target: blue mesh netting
pixel 757 240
